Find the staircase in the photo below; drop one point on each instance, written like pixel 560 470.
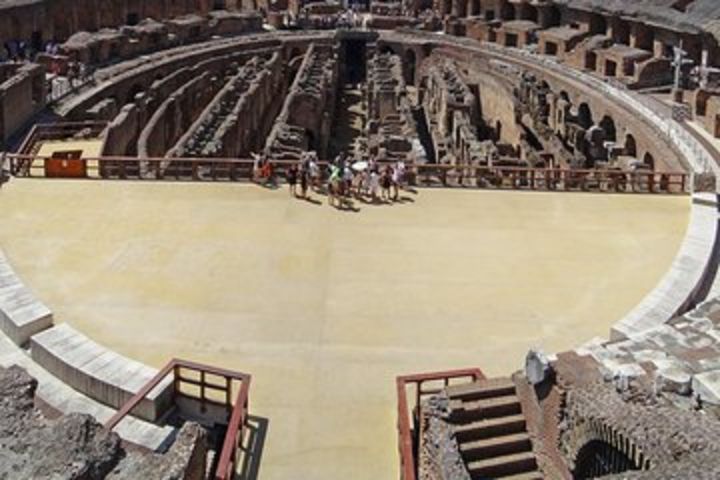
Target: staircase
pixel 490 430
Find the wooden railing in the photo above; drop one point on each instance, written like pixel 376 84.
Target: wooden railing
pixel 208 386
pixel 424 175
pixel 553 179
pixel 409 435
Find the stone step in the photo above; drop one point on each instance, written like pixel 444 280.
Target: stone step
pixel 535 475
pixel 485 408
pixel 496 446
pixel 490 427
pixel 503 466
pixel 495 387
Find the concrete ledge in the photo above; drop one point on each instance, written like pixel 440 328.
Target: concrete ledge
pixel 99 373
pixel 21 314
pixel 63 398
pixel 688 279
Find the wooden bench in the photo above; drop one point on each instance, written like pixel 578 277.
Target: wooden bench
pixel 99 373
pixel 21 314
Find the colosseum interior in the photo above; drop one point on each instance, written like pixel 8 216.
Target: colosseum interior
pixel 416 239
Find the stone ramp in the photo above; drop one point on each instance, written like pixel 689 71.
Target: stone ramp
pixel 491 430
pixel 21 314
pixel 98 372
pixel 65 399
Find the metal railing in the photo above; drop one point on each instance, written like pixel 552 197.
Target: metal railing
pixel 425 175
pixel 210 386
pixel 409 436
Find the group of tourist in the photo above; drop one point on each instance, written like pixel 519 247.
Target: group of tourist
pixel 346 179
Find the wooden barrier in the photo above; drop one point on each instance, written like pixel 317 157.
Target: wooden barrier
pixel 421 175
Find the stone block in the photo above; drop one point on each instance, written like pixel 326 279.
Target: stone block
pixel 672 376
pixel 706 386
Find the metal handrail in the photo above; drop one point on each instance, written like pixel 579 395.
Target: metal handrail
pixel 408 462
pixel 236 426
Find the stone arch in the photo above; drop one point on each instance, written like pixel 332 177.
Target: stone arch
pixel 608 125
pixel 630 148
pixel 584 116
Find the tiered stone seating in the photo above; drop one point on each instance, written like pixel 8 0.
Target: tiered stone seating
pixel 491 430
pixel 21 314
pixel 99 373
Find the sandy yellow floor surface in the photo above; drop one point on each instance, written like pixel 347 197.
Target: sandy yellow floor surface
pixel 325 307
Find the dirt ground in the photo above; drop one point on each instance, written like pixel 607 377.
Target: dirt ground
pixel 326 307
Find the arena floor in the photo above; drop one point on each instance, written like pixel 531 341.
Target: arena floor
pixel 326 307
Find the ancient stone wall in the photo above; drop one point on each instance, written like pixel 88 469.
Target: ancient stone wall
pixel 75 446
pixel 40 21
pixel 22 95
pixel 232 124
pixel 176 114
pixel 305 120
pixel 391 131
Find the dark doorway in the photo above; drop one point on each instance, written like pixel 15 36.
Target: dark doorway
pixel 610 68
pixel 410 67
pixel 355 61
pixel 598 458
pixel 36 41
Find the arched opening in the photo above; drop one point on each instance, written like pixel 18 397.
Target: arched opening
pixel 584 116
pixel 386 50
pixel 649 161
pixel 598 458
pixel 630 146
pixel 608 125
pixel 410 67
pixel 475 7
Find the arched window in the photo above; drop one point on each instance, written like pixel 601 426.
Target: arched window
pixel 630 146
pixel 608 125
pixel 584 117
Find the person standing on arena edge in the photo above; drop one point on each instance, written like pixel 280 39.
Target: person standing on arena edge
pixel 304 181
pixel 292 177
pixel 4 170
